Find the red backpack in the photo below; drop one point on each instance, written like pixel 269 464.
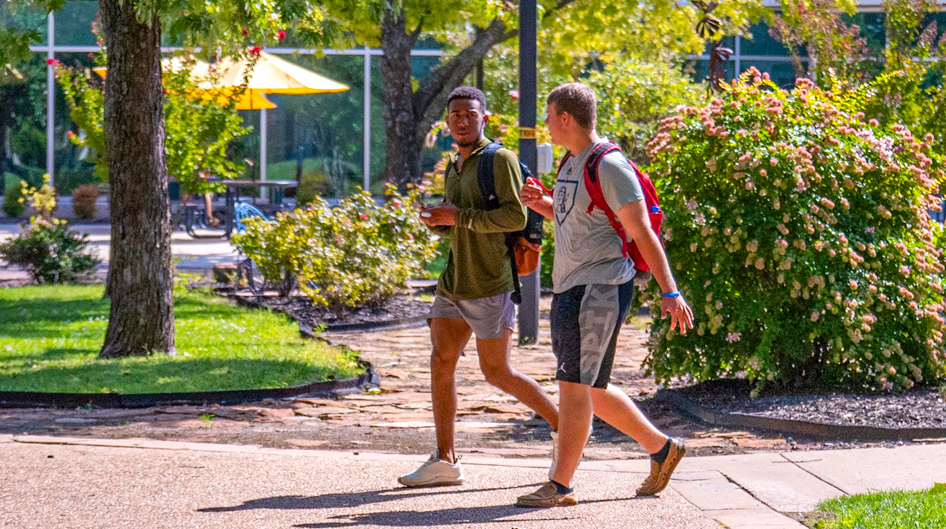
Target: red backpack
pixel 597 200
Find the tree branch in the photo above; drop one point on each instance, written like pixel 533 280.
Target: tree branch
pixel 431 97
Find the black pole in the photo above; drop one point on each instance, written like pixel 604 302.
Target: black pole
pixel 528 16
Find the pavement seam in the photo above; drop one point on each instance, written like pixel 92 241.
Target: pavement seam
pixel 756 498
pixel 816 476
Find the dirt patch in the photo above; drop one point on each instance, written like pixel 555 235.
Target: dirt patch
pixel 919 408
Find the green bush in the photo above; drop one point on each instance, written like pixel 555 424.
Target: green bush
pixel 13 206
pixel 800 235
pixel 314 184
pixel 50 252
pixel 358 253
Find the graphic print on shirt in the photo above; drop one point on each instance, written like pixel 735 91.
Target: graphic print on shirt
pixel 564 196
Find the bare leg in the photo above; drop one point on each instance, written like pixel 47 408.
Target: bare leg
pixel 575 408
pixel 448 337
pixel 208 204
pixel 614 407
pixel 494 362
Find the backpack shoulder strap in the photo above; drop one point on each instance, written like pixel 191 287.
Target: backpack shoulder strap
pixel 593 186
pixel 485 176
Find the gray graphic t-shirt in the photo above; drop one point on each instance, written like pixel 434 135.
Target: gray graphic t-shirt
pixel 587 249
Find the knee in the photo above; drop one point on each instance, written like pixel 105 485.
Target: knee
pixel 443 360
pixel 497 375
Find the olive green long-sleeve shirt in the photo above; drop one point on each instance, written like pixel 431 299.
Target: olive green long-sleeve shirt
pixel 478 265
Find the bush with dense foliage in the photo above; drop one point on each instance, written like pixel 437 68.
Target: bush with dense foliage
pixel 50 252
pixel 358 253
pixel 13 204
pixel 83 201
pixel 800 234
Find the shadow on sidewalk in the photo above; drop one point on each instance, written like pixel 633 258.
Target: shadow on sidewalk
pixel 348 499
pixel 401 518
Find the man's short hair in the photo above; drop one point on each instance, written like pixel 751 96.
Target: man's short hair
pixel 578 100
pixel 468 92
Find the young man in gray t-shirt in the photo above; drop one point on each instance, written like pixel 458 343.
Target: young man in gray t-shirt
pixel 592 281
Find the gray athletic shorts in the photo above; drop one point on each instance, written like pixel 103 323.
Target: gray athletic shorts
pixel 586 320
pixel 488 317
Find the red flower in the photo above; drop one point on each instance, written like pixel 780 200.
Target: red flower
pixel 363 216
pixel 70 133
pixel 244 31
pixel 281 35
pixel 91 55
pixel 255 50
pixel 52 62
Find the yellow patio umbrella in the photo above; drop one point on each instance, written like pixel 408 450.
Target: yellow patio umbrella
pixel 201 71
pixel 273 75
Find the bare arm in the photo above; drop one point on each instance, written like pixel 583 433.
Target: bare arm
pixel 535 199
pixel 636 223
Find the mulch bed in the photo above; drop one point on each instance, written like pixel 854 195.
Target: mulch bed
pixel 919 408
pixel 398 309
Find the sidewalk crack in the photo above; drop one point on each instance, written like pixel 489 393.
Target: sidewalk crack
pixel 816 476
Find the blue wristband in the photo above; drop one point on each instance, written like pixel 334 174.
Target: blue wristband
pixel 672 294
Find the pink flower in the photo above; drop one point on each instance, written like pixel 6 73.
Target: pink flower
pixel 514 94
pixel 70 133
pixel 733 337
pixel 52 62
pixel 363 216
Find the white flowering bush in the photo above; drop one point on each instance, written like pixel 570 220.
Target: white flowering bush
pixel 800 234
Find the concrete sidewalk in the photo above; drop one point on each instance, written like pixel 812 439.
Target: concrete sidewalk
pixel 70 482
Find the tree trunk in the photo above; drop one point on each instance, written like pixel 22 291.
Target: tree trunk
pixel 408 115
pixel 141 321
pixel 402 163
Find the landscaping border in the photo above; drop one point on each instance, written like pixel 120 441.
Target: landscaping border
pixel 307 330
pixel 29 399
pixel 844 432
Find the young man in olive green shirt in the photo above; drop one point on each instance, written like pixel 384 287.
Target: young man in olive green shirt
pixel 474 291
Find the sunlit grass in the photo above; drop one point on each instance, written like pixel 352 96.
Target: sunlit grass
pixel 50 338
pixel 887 510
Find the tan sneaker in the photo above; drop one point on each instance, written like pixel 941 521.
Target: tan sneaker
pixel 547 496
pixel 435 472
pixel 660 472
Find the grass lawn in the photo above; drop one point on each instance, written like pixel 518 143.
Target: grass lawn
pixel 50 338
pixel 887 510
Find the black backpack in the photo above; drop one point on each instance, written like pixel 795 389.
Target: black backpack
pixel 524 245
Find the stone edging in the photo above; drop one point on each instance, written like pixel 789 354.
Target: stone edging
pixel 794 427
pixel 306 329
pixel 15 399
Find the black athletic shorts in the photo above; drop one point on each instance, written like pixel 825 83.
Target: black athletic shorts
pixel 585 322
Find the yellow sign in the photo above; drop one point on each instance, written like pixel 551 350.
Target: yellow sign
pixel 526 133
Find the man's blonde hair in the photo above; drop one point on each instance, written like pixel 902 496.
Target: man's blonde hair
pixel 578 100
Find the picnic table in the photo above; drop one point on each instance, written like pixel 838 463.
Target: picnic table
pixel 189 216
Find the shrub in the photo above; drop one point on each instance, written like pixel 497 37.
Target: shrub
pixel 356 254
pixel 13 205
pixel 313 184
pixel 800 235
pixel 50 252
pixel 83 201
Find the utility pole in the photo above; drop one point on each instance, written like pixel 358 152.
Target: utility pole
pixel 528 17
